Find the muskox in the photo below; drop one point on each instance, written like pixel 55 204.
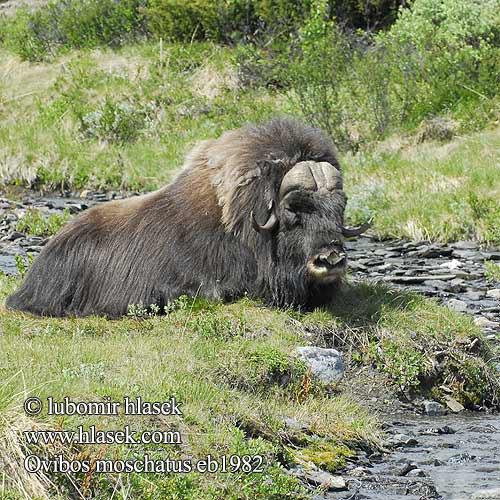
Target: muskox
pixel 259 211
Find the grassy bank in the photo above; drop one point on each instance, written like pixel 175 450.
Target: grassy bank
pixel 233 369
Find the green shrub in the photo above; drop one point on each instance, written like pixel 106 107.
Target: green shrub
pixel 439 58
pixel 120 121
pixel 183 21
pixel 441 54
pixel 35 35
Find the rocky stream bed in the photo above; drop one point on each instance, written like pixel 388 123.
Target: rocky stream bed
pixel 433 454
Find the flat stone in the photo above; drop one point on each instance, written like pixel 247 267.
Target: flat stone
pixel 402 440
pixel 457 285
pixel 360 472
pixel 440 285
pixel 451 264
pixel 465 245
pixel 457 305
pixel 325 480
pixel 416 473
pixel 433 408
pixel 483 322
pixel 468 255
pixel 491 255
pixel 454 405
pixel 326 364
pixel 494 293
pixel 474 295
pixel 420 279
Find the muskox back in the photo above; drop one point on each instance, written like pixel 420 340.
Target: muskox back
pixel 192 237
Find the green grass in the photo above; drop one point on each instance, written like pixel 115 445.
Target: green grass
pixel 430 191
pixel 233 369
pixel 33 222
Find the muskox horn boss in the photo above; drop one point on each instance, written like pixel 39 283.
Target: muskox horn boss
pixel 311 175
pixel 306 175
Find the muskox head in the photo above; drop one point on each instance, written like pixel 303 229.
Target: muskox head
pixel 305 228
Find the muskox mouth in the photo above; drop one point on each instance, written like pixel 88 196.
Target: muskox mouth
pixel 327 266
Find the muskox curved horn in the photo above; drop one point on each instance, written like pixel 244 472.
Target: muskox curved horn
pixel 270 224
pixel 350 232
pixel 311 175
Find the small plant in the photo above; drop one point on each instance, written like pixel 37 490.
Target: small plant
pixel 492 270
pixel 33 222
pixel 140 311
pixel 486 216
pixel 212 325
pixel 23 263
pixel 404 365
pixel 120 122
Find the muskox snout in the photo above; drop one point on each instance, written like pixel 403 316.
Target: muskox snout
pixel 328 265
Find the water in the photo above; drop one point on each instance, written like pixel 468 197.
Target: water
pixel 459 464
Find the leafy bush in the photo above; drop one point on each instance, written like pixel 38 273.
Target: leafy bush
pixel 439 58
pixel 112 121
pixel 443 53
pixel 183 21
pixel 36 34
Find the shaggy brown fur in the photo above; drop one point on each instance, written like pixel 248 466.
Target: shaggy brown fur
pixel 195 235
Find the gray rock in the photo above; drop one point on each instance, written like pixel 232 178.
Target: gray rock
pixel 494 293
pixel 326 364
pixel 324 479
pixel 454 405
pixel 483 322
pixel 457 305
pixel 416 473
pixel 433 408
pixel 402 440
pixel 360 472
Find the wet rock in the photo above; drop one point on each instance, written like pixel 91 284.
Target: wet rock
pixel 326 364
pixel 491 255
pixel 433 408
pixel 439 430
pixel 406 469
pixel 416 473
pixel 464 245
pixel 402 440
pixel 359 472
pixel 15 236
pixel 487 494
pixel 461 458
